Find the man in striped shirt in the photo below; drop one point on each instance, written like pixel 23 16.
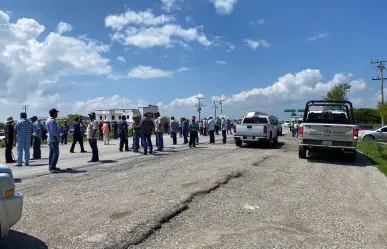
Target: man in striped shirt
pixel 23 130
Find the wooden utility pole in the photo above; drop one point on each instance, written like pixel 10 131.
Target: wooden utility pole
pixel 215 107
pixel 199 108
pixel 221 106
pixel 25 107
pixel 381 67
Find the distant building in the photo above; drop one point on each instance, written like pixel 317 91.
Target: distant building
pixel 150 108
pixel 116 114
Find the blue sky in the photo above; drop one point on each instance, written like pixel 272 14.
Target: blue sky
pixel 328 37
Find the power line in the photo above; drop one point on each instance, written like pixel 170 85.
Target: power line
pixel 381 67
pixel 199 108
pixel 25 107
pixel 221 106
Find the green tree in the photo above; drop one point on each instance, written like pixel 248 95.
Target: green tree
pixel 164 119
pixel 367 116
pixel 338 92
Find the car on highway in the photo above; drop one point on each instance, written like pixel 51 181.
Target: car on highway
pixel 257 128
pixel 379 134
pixel 328 129
pixel 286 124
pixel 11 202
pixel 365 127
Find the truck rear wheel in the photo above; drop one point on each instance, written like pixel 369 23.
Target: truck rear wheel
pixel 302 152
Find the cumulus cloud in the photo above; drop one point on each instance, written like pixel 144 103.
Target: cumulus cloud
pixel 63 28
pixel 169 5
pixel 224 7
pixel 221 62
pixel 147 72
pixel 258 22
pixel 122 59
pixel 255 44
pixel 144 30
pixel 316 37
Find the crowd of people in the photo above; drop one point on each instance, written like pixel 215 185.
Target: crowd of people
pixel 31 132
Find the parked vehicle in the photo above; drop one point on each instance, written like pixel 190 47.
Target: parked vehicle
pixel 379 134
pixel 260 128
pixel 11 202
pixel 286 124
pixel 364 127
pixel 328 130
pixel 2 136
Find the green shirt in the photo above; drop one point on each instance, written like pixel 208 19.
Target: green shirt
pixel 193 129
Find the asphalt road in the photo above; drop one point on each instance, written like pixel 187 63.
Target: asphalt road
pixel 214 196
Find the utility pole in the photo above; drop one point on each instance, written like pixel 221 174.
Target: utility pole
pixel 215 107
pixel 25 107
pixel 221 106
pixel 381 67
pixel 121 100
pixel 199 108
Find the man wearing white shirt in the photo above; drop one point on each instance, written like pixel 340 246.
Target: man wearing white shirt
pixel 211 130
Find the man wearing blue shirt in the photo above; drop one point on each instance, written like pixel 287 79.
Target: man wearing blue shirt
pixel 23 130
pixel 77 135
pixel 37 138
pixel 53 140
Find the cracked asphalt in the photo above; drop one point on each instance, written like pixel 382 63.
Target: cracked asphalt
pixel 214 196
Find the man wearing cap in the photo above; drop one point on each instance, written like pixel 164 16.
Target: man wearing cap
pixel 77 135
pixel 93 135
pixel 9 139
pixel 193 132
pixel 211 130
pixel 23 130
pixel 37 138
pixel 64 130
pixel 53 140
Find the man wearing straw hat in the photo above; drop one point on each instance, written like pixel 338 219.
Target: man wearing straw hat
pixel 9 139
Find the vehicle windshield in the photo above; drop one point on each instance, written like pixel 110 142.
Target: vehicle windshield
pixel 254 120
pixel 378 128
pixel 327 118
pixel 287 121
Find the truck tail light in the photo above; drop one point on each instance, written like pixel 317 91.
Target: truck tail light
pixel 265 129
pixel 355 133
pixel 234 128
pixel 300 131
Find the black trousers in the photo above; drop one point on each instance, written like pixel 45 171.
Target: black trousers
pixel 212 137
pixel 124 141
pixel 115 135
pixel 192 140
pixel 174 137
pixel 94 150
pixel 8 152
pixel 217 130
pixel 77 138
pixel 101 135
pixel 224 134
pixel 205 132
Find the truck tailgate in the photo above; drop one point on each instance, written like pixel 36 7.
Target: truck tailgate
pixel 250 130
pixel 328 132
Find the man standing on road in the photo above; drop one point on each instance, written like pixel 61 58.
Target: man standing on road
pixel 174 130
pixel 159 129
pixel 205 127
pixel 37 138
pixel 53 140
pixel 185 129
pixel 64 130
pixel 295 129
pixel 23 130
pixel 224 129
pixel 77 135
pixel 105 131
pixel 9 139
pixel 180 128
pixel 211 130
pixel 193 130
pixel 123 132
pixel 115 130
pixel 217 125
pixel 93 135
pixel 147 127
pixel 136 131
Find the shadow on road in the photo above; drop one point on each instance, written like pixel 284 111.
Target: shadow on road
pixel 338 158
pixel 73 171
pixel 108 161
pixel 278 145
pixel 18 240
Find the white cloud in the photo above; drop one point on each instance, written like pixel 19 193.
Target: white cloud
pixel 224 7
pixel 118 22
pixel 63 28
pixel 28 65
pixel 95 45
pixel 122 59
pixel 148 72
pixel 258 22
pixel 255 44
pixel 186 102
pixel 168 5
pixel 221 62
pixel 164 36
pixel 189 20
pixel 319 36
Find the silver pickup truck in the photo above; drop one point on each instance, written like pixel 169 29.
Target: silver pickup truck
pixel 261 128
pixel 325 129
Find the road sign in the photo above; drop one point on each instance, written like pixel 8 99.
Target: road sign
pixel 290 110
pixel 301 110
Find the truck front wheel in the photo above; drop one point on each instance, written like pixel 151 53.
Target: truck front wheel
pixel 302 152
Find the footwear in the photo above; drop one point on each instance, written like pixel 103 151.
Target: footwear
pixel 27 164
pixel 71 151
pixel 92 161
pixel 18 165
pixel 84 151
pixel 55 170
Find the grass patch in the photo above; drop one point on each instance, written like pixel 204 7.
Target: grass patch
pixel 376 152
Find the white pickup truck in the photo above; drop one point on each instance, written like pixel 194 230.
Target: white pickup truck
pixel 260 128
pixel 11 202
pixel 328 130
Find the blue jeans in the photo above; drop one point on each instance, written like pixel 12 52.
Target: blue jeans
pixel 146 140
pixel 160 140
pixel 136 142
pixel 53 155
pixel 23 146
